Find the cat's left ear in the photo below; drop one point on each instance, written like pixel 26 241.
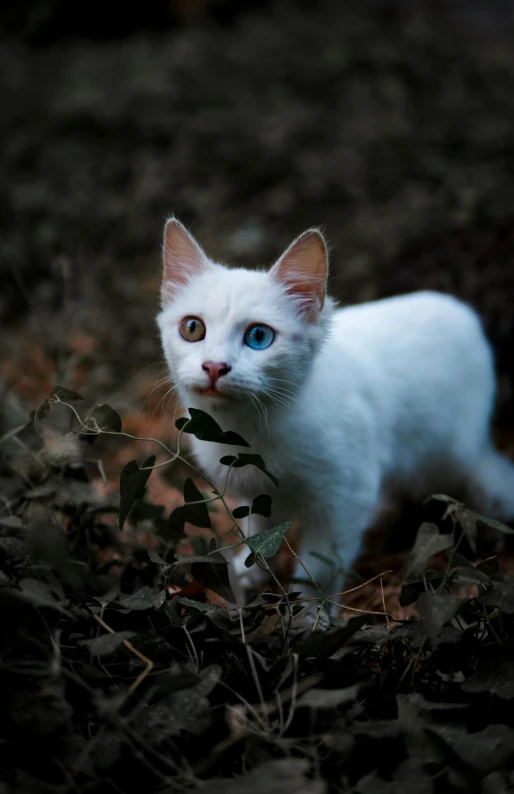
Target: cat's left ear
pixel 303 270
pixel 183 258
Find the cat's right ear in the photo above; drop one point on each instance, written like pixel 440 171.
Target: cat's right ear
pixel 182 258
pixel 303 270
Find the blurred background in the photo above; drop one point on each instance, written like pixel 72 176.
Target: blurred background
pixel 389 123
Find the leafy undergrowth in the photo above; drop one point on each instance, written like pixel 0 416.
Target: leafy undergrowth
pixel 125 667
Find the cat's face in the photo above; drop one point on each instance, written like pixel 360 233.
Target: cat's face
pixel 234 335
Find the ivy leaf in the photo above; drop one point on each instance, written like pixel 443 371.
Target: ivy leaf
pixel 106 643
pixel 132 484
pixel 41 594
pixel 495 680
pixel 429 542
pixel 176 523
pixel 501 595
pixel 11 522
pixel 260 505
pixel 145 598
pixel 215 577
pixel 156 558
pixel 499 525
pixel 196 514
pixel 210 559
pixel 490 566
pixel 323 644
pixel 247 459
pixel 103 417
pixel 58 394
pixel 413 588
pixel 241 512
pixel 215 613
pixel 64 394
pixel 266 543
pixel 329 698
pixel 205 428
pixel 434 610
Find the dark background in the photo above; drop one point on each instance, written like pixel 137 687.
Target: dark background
pixel 391 124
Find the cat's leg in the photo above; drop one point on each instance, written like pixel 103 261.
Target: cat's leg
pixel 330 544
pixel 243 578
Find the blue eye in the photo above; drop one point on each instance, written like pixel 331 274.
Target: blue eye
pixel 259 337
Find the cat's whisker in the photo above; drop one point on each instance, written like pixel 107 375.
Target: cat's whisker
pixel 256 406
pixel 168 394
pixel 261 411
pixel 265 415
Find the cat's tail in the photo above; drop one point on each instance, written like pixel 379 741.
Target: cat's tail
pixel 491 486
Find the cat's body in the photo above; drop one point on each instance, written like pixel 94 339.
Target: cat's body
pixel 343 404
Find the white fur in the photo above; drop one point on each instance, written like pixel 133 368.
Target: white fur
pixel 395 393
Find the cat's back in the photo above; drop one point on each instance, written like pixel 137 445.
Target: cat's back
pixel 424 343
pixel 406 314
pixel 403 328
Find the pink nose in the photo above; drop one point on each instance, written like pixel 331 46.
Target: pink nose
pixel 215 369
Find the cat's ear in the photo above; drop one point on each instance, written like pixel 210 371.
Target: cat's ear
pixel 183 258
pixel 303 270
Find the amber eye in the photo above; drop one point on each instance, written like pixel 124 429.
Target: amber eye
pixel 192 329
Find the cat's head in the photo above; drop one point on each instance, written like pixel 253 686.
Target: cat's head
pixel 230 335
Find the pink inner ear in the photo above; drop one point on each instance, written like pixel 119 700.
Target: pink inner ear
pixel 183 258
pixel 303 270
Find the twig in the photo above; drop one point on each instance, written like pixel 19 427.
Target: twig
pixel 383 603
pixel 149 664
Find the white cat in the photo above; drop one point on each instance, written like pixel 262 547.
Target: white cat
pixel 342 404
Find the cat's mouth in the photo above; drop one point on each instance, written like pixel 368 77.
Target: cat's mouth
pixel 210 391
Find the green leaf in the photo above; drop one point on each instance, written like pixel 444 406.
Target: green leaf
pixel 176 523
pixel 494 679
pixel 106 644
pixel 215 577
pixel 40 594
pixel 174 682
pixel 261 505
pixel 132 484
pixel 499 525
pixel 429 542
pixel 501 595
pixel 247 459
pixel 44 408
pixel 156 558
pixel 65 395
pixel 490 566
pixel 205 428
pixel 411 589
pixel 324 644
pixel 11 522
pixel 241 512
pixel 329 698
pixel 434 610
pixel 196 514
pixel 58 394
pixel 215 613
pixel 103 417
pixel 48 543
pixel 145 598
pixel 266 543
pixel 210 559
